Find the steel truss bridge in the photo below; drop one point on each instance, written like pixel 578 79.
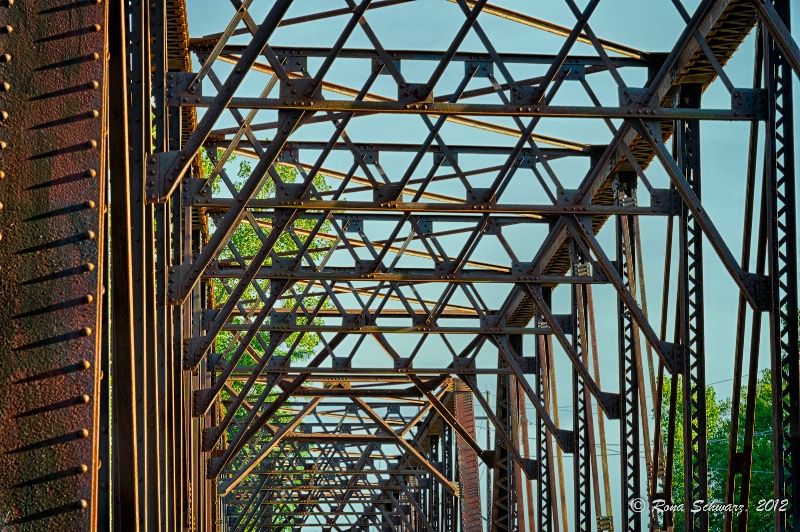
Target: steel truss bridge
pixel 360 327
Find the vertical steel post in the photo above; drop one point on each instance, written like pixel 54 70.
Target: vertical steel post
pixel 740 462
pixel 175 361
pixel 139 142
pixel 545 488
pixel 503 491
pixel 692 321
pixel 580 421
pixel 435 507
pixel 628 375
pixel 160 136
pixel 782 263
pixel 105 422
pixel 469 501
pixel 448 469
pixel 125 455
pixel 52 246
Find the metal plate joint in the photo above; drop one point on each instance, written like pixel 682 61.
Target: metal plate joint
pixel 532 468
pixel 282 318
pixel 403 363
pixel 353 321
pixel 292 191
pixel 492 322
pixel 366 266
pixel 673 357
pixel 439 158
pixel 476 196
pixel 665 201
pixel 750 102
pixel 379 66
pixel 611 404
pixel 175 277
pixel 386 193
pixel 415 93
pixel 573 72
pixel 353 226
pixel 340 362
pixel 294 63
pixel 481 69
pixel 566 196
pixel 566 440
pixel 182 86
pixel 526 161
pixel 194 191
pixel 528 365
pixel 201 401
pixel 564 321
pixel 631 96
pixel 289 155
pixel 156 165
pixel 424 227
pixel 758 287
pixel 521 95
pixel 299 89
pixel 367 156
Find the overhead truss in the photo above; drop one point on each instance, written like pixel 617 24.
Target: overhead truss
pixel 345 268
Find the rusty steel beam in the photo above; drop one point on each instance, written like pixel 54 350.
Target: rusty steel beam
pixel 125 430
pixel 456 207
pixel 53 165
pixel 520 109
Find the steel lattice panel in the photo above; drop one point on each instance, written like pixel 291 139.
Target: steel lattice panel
pixel 389 237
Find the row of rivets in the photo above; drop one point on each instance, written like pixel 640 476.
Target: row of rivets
pixel 91 173
pixel 81 504
pixel 89 235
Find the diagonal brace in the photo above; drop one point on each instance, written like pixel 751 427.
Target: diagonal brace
pixel 778 30
pixel 175 164
pixel 754 287
pixel 443 480
pixel 668 353
pixel 226 487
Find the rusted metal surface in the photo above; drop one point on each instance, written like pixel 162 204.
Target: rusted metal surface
pixel 52 193
pixel 469 474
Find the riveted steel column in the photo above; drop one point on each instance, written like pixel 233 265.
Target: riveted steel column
pixel 692 321
pixel 782 263
pixel 545 511
pixel 503 493
pixel 628 375
pixel 580 422
pixel 125 434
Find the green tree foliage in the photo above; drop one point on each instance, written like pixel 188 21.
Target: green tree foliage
pixel 761 480
pixel 246 241
pixel 714 422
pixel 718 421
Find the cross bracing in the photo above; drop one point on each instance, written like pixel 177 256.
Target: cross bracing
pixel 384 264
